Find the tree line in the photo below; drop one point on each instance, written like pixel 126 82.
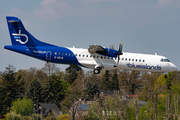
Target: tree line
pixel 51 85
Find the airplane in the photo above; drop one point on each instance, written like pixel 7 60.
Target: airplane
pixel 95 57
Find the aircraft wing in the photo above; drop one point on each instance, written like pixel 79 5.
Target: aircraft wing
pixel 88 64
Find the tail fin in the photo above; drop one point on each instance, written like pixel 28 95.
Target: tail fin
pixel 19 35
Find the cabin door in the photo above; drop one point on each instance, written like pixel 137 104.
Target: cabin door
pixel 48 55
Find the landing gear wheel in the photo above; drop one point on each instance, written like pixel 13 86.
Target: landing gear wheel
pixel 96 71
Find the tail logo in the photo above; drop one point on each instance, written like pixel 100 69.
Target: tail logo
pixel 18 38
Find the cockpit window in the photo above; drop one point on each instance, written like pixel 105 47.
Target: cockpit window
pixel 165 60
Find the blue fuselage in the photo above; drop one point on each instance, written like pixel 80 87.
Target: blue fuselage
pixel 53 54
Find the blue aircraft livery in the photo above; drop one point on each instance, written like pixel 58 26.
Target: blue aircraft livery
pixel 95 57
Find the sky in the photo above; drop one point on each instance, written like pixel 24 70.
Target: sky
pixel 143 26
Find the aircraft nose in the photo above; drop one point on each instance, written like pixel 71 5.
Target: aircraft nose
pixel 173 67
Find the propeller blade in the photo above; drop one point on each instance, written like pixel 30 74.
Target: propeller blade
pixel 120 52
pixel 118 59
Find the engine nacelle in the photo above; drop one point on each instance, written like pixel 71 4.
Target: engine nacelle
pixel 102 51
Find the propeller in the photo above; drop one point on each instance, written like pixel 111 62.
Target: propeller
pixel 119 52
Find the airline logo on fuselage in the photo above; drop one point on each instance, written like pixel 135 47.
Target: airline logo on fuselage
pixel 18 37
pixel 39 52
pixel 141 66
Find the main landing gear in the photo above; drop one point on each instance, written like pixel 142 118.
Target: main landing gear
pixel 97 71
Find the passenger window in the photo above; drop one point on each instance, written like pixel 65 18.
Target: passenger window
pixel 55 53
pixel 132 59
pixel 139 60
pixel 65 53
pixel 97 56
pixel 136 60
pixel 76 54
pixel 111 57
pixel 69 54
pixel 90 56
pixel 126 59
pixel 83 55
pixel 122 58
pixel 143 60
pixel 59 53
pixel 94 56
pixel 72 54
pixel 79 55
pixel 101 57
pixel 129 59
pixel 108 57
pixel 86 55
pixel 62 53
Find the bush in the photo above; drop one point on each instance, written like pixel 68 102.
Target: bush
pixel 64 117
pixel 51 118
pixel 143 113
pixel 13 116
pixel 36 117
pixel 92 113
pixel 22 106
pixel 25 118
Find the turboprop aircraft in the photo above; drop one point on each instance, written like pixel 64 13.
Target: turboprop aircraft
pixel 95 57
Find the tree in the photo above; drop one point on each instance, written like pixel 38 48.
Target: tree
pixel 144 113
pixel 70 102
pixel 105 81
pixel 35 91
pixel 49 91
pixel 114 81
pixel 0 74
pixel 40 75
pixel 93 78
pixel 130 81
pixel 91 90
pixel 162 95
pixel 81 80
pixel 133 110
pixel 55 89
pixel 23 106
pixel 51 68
pixel 28 76
pixel 109 107
pixel 31 74
pixel 9 88
pixel 72 72
pixel 149 84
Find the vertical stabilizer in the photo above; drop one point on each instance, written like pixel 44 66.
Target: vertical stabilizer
pixel 19 35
